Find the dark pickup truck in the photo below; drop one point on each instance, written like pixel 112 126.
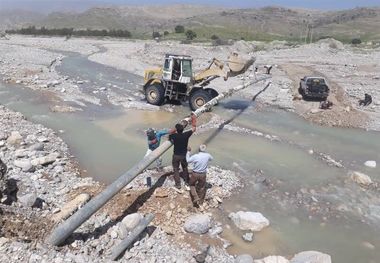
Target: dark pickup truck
pixel 314 88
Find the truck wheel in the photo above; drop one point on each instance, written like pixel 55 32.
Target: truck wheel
pixel 155 94
pixel 300 91
pixel 198 99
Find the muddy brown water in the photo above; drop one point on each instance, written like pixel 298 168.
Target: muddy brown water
pixel 108 141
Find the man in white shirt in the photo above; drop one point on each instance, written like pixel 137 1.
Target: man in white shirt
pixel 198 177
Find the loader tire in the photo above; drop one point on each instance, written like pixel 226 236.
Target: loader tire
pixel 155 94
pixel 213 93
pixel 198 99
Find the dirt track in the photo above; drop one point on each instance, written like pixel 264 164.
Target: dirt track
pixel 341 114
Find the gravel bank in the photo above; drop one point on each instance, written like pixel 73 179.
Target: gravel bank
pixel 353 70
pixel 47 178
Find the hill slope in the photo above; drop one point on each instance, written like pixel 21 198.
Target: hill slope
pixel 265 23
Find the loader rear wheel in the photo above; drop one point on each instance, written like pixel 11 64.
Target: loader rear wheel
pixel 198 99
pixel 155 94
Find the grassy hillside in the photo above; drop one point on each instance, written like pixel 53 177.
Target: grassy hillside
pixel 267 23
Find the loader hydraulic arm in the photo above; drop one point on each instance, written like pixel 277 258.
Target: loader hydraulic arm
pixel 235 66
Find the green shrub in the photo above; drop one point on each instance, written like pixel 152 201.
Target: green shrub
pixel 190 34
pixel 214 37
pixel 179 29
pixel 356 41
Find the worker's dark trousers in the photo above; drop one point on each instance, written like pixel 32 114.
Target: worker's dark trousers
pixel 198 187
pixel 179 159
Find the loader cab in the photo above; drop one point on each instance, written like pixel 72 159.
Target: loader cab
pixel 178 69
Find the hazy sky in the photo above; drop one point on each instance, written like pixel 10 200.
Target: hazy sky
pixel 53 5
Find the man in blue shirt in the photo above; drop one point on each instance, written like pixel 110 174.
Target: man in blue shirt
pixel 198 177
pixel 154 140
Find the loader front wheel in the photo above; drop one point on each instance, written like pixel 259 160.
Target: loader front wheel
pixel 155 94
pixel 198 99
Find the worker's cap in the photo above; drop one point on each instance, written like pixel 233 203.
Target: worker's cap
pixel 202 147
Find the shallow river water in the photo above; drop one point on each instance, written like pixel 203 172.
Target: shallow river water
pixel 108 141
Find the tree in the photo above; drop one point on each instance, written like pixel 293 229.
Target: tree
pixel 190 34
pixel 179 29
pixel 156 34
pixel 356 41
pixel 166 33
pixel 214 37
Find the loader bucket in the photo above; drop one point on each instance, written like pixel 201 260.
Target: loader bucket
pixel 237 65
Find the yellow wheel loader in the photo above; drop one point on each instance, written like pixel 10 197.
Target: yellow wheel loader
pixel 176 81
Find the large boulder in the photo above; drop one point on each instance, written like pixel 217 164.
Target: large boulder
pixel 361 178
pixel 245 258
pixel 311 257
pixel 198 224
pixel 132 220
pixel 252 221
pixel 28 200
pixel 14 138
pixel 25 165
pixel 272 259
pixel 371 164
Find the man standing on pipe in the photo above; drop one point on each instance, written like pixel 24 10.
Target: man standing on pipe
pixel 180 141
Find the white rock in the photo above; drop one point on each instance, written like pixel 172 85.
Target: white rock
pixel 14 138
pixel 248 237
pixel 42 139
pixel 314 111
pixel 216 231
pixel 21 153
pixel 114 234
pixel 51 158
pixel 311 257
pixel 53 83
pixel 368 245
pixel 25 165
pixel 198 224
pixel 252 221
pixel 28 199
pixel 132 220
pixel 245 258
pixel 272 259
pixel 36 147
pixel 3 240
pixel 371 164
pixel 361 178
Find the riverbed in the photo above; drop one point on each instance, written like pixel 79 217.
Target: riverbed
pixel 107 140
